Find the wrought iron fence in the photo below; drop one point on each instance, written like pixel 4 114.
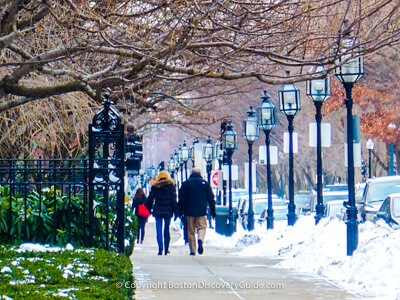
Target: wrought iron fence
pixel 69 200
pixel 44 200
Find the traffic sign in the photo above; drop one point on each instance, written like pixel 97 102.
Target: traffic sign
pixel 215 178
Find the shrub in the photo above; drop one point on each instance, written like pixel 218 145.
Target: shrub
pixel 51 216
pixel 78 274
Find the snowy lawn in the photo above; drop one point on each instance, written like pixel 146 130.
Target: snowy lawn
pixel 373 270
pixel 35 271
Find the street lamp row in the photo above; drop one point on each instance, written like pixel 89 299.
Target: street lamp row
pixel 349 71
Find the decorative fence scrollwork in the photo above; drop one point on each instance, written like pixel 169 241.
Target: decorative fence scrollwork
pixel 106 175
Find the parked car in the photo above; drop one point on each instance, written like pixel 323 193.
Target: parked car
pixel 336 187
pixel 260 204
pixel 376 191
pixel 328 196
pixel 390 210
pixel 360 188
pixel 280 216
pixel 302 201
pixel 242 203
pixel 334 209
pixel 236 194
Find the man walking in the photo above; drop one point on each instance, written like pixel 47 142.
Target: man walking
pixel 194 195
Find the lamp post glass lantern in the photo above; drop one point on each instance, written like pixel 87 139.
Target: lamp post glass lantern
pixel 350 69
pixel 370 147
pixel 250 133
pixel 180 160
pixel 176 160
pixel 171 166
pixel 290 105
pixel 266 122
pixel 219 156
pixel 208 156
pixel 319 90
pixel 185 157
pixel 229 144
pixel 219 153
pixel 192 153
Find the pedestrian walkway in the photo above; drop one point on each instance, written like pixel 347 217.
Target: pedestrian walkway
pixel 219 275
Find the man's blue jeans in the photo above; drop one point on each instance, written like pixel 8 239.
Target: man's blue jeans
pixel 167 237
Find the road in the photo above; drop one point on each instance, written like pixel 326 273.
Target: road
pixel 219 275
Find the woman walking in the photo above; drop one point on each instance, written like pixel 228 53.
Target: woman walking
pixel 163 205
pixel 140 198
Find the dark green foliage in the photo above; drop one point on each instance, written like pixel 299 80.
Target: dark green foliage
pixel 93 274
pixel 49 219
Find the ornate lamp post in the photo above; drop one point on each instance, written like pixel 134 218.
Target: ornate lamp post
pixel 391 126
pixel 180 161
pixel 319 90
pixel 229 144
pixel 219 155
pixel 176 160
pixel 208 156
pixel 266 122
pixel 185 157
pixel 171 166
pixel 250 133
pixel 370 147
pixel 289 105
pixel 192 152
pixel 351 69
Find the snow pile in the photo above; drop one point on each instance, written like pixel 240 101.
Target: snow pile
pixel 374 268
pixel 6 269
pixel 32 247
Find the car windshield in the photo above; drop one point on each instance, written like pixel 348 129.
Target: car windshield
pixel 359 194
pixel 396 207
pixel 333 197
pixel 378 191
pixel 302 199
pixel 280 214
pixel 334 209
pixel 237 195
pixel 259 207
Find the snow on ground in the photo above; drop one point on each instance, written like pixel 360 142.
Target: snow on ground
pixel 32 247
pixel 373 270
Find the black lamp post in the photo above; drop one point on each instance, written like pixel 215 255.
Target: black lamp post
pixel 266 122
pixel 350 70
pixel 319 90
pixel 185 157
pixel 176 160
pixel 250 133
pixel 289 104
pixel 229 144
pixel 208 156
pixel 370 147
pixel 171 166
pixel 180 161
pixel 219 155
pixel 192 152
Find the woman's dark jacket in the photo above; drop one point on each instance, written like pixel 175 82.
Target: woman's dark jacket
pixel 162 199
pixel 194 195
pixel 135 206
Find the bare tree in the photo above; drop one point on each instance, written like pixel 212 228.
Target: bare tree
pixel 142 48
pixel 163 56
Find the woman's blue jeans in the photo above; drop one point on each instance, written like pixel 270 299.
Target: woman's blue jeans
pixel 167 237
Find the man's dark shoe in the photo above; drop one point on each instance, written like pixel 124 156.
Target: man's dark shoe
pixel 192 253
pixel 200 248
pixel 160 252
